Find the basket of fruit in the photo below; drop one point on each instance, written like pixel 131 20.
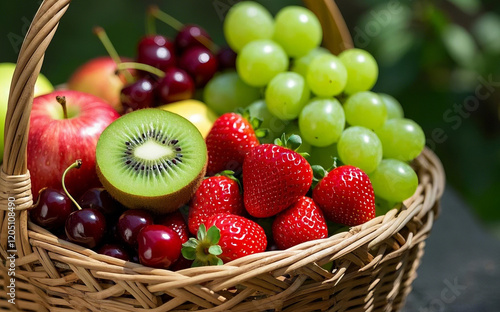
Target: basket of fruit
pixel 295 188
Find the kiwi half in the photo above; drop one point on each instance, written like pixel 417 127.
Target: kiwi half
pixel 151 159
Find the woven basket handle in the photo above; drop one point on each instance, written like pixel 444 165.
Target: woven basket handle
pixel 43 27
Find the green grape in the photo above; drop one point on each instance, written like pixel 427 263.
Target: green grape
pixel 273 124
pixel 360 147
pixel 301 64
pixel 326 75
pixel 259 61
pixel 362 70
pixel 394 180
pixel 401 139
pixel 365 109
pixel 245 22
pixel 394 108
pixel 297 30
pixel 323 156
pixel 286 95
pixel 226 92
pixel 322 121
pixel 382 206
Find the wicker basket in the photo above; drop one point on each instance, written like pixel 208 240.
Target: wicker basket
pixel 373 265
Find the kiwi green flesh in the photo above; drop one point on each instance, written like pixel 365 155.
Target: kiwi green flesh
pixel 148 155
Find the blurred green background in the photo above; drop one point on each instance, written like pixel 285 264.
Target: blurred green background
pixel 440 59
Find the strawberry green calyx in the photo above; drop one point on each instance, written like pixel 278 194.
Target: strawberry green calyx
pixel 204 249
pixel 254 122
pixel 293 143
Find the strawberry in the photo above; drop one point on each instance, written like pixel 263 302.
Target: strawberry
pixel 220 193
pixel 229 237
pixel 176 222
pixel 232 136
pixel 302 222
pixel 275 177
pixel 345 194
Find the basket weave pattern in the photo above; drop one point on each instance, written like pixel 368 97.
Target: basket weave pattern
pixel 371 267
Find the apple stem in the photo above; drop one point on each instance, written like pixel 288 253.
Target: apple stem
pixel 177 25
pixel 108 45
pixel 62 100
pixel 140 66
pixel 77 164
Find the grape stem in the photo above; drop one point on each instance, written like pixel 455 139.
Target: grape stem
pixel 77 164
pixel 140 66
pixel 103 37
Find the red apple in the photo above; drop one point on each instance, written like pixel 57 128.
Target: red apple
pixel 55 142
pixel 100 78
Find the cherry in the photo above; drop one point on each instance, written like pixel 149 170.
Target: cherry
pixel 114 250
pixel 177 85
pixel 200 63
pixel 52 209
pixel 176 222
pixel 137 95
pixel 190 36
pixel 226 58
pixel 86 227
pixel 156 51
pixel 130 223
pixel 98 198
pixel 159 246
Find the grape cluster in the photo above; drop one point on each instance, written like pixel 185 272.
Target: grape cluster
pixel 285 78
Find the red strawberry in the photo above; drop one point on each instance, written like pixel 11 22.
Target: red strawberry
pixel 346 196
pixel 230 139
pixel 302 222
pixel 274 178
pixel 229 237
pixel 216 194
pixel 176 222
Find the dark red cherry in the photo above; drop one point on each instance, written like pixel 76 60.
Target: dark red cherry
pixel 177 85
pixel 190 36
pixel 176 222
pixel 226 58
pixel 159 246
pixel 52 209
pixel 157 51
pixel 114 250
pixel 138 95
pixel 200 64
pixel 86 227
pixel 130 223
pixel 98 198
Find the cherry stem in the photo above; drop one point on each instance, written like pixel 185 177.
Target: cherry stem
pixel 150 22
pixel 103 37
pixel 177 25
pixel 62 100
pixel 140 66
pixel 77 164
pixel 166 18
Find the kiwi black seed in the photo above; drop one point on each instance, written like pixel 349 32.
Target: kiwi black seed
pixel 151 159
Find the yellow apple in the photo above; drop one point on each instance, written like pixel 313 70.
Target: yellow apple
pixel 195 111
pixel 42 86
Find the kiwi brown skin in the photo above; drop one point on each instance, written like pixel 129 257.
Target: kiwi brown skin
pixel 159 204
